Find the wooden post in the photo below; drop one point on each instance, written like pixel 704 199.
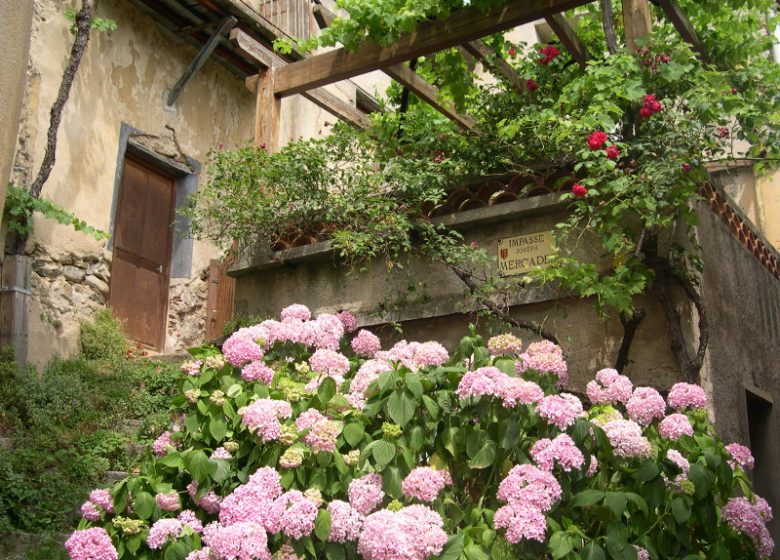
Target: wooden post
pixel 267 112
pixel 14 295
pixel 636 20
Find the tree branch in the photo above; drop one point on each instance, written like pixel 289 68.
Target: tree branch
pixel 467 278
pixel 630 326
pixel 608 23
pixel 83 23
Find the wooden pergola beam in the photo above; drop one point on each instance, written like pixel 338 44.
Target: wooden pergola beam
pixel 568 37
pixel 410 80
pixel 496 64
pixel 637 22
pixel 683 25
pixel 266 58
pixel 461 27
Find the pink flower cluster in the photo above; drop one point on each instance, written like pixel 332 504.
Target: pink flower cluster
pixel 561 450
pixel 366 344
pixel 322 430
pixel 411 533
pixel 529 492
pixel 416 355
pixel 686 395
pixel 239 349
pixel 645 405
pixel 682 463
pixel 262 416
pixel 505 345
pixel 327 363
pixel 345 522
pixel 162 443
pixel 188 517
pixel 750 519
pixel 210 502
pixel 161 530
pixel 425 483
pixel 91 544
pixel 493 382
pixel 626 439
pixel 544 357
pixel 609 387
pixel 257 371
pixel 675 426
pixel 365 493
pixel 168 501
pixel 348 320
pixel 366 374
pixel 561 410
pixel 191 368
pixel 246 540
pixel 98 498
pixel 252 501
pixel 740 456
pixel 295 312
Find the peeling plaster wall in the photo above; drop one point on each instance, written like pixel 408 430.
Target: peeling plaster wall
pixel 122 79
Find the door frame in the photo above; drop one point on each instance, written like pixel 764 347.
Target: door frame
pixel 185 178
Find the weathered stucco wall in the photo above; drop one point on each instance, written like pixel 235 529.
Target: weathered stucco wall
pixel 14 44
pixel 123 79
pixel 428 300
pixel 742 302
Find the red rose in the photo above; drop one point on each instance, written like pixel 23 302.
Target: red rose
pixel 686 167
pixel 531 85
pixel 578 190
pixel 549 53
pixel 613 152
pixel 512 51
pixel 596 140
pixel 438 156
pixel 723 132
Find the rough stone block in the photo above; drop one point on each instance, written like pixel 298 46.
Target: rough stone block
pixel 73 273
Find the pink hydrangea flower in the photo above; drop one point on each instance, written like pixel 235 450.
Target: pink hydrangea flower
pixel 202 554
pixel 241 541
pixel 750 520
pixel 191 368
pixel 366 344
pixel 322 436
pixel 493 382
pixel 740 456
pixel 505 345
pixel 593 466
pixel 188 517
pixel 412 533
pixel 519 391
pixel 530 485
pixel 609 387
pixel 221 453
pixel 675 426
pixel 169 501
pixel 89 511
pixel 645 405
pixel 330 363
pixel 682 463
pixel 328 330
pixel 561 450
pixel 296 514
pixel 365 493
pixel 253 501
pixel 521 521
pixel 239 350
pixel 627 439
pixel 257 371
pixel 90 544
pixel 641 553
pixel 262 416
pixel 162 443
pixel 161 530
pixel 295 312
pixel 348 320
pixel 544 357
pixel 560 410
pixel 416 355
pixel 425 483
pixel 210 502
pixel 686 395
pixel 345 522
pixel 367 374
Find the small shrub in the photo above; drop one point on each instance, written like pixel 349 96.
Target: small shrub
pixel 103 338
pixel 241 320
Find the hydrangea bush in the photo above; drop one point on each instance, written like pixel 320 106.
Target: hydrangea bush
pixel 304 439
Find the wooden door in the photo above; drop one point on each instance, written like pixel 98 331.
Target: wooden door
pixel 143 237
pixel 220 302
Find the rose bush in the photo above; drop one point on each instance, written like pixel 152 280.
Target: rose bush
pixel 284 447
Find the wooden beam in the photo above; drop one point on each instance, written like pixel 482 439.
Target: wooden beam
pixel 636 21
pixel 366 102
pixel 323 16
pixel 495 63
pixel 266 58
pixel 568 37
pixel 200 59
pixel 683 25
pixel 267 112
pixel 428 93
pixel 461 27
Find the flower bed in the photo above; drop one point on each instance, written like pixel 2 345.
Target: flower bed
pixel 288 448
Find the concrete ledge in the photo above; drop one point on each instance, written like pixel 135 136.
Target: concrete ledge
pixel 267 260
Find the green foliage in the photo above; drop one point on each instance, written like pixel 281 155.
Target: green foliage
pixel 102 25
pixel 240 320
pixel 368 188
pixel 103 337
pixel 19 208
pixel 71 424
